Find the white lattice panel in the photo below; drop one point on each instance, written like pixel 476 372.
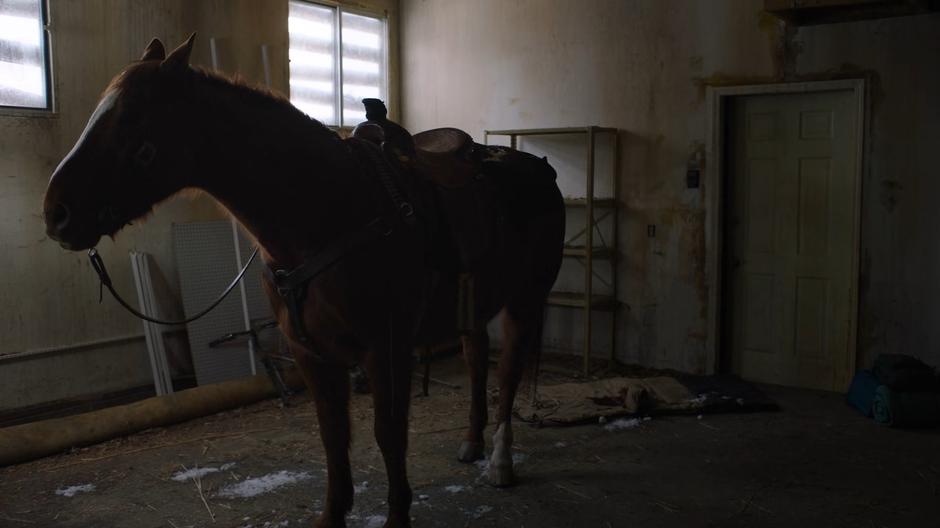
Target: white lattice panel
pixel 205 258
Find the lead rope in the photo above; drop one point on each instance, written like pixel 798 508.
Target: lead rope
pixel 105 282
pixel 391 361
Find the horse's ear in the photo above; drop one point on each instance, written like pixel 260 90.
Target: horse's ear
pixel 154 51
pixel 179 58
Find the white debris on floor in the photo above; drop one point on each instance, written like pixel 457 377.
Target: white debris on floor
pixel 622 423
pixel 257 486
pixel 268 524
pixel 560 445
pixel 374 521
pixel 198 472
pixel 359 488
pixel 70 491
pixel 625 423
pixel 455 488
pixel 480 511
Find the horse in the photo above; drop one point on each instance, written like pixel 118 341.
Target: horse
pixel 301 191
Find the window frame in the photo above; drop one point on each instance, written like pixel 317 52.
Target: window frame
pixel 338 9
pixel 46 43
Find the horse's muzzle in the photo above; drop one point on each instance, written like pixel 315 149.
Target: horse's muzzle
pixel 57 220
pixel 61 227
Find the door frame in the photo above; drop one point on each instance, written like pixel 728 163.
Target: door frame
pixel 717 100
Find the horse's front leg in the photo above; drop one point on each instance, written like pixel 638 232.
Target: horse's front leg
pixel 389 368
pixel 330 387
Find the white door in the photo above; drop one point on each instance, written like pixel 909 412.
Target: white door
pixel 790 228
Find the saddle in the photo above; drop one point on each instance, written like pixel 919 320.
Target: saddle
pixel 439 169
pixel 466 196
pixel 462 190
pixel 444 156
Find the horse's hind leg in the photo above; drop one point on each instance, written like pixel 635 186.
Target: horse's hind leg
pixel 522 334
pixel 476 352
pixel 390 373
pixel 330 388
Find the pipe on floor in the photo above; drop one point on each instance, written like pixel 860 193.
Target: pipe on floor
pixel 21 443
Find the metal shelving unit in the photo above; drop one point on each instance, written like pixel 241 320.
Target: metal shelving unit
pixel 576 246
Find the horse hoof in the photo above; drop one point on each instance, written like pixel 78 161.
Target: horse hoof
pixel 499 476
pixel 396 522
pixel 470 452
pixel 329 521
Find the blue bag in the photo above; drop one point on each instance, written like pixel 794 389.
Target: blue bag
pixel 862 392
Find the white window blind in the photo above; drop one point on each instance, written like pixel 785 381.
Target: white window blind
pixel 23 71
pixel 337 58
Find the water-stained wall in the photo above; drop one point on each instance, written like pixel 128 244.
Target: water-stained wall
pixel 643 66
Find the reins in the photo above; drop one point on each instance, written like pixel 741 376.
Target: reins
pixel 98 264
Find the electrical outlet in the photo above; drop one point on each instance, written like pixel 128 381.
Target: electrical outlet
pixel 693 178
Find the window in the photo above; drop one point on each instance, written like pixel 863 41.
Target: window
pixel 24 72
pixel 337 58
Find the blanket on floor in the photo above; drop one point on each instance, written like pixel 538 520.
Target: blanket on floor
pixel 572 403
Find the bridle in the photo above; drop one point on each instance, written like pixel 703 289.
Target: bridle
pixel 98 264
pixel 143 157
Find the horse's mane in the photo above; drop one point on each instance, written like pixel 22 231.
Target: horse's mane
pixel 247 91
pixel 254 94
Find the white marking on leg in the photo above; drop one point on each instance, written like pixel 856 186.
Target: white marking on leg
pixel 500 468
pixel 502 445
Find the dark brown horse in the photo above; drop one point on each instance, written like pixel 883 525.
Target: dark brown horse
pixel 300 190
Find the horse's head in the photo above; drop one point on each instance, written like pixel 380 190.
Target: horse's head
pixel 135 151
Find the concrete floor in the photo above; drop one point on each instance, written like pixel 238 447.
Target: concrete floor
pixel 815 463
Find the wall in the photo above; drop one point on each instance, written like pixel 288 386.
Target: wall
pixel 637 65
pixel 58 342
pixel 48 297
pixel 642 66
pixel 900 256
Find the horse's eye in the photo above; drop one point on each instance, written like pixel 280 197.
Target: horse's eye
pixel 145 154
